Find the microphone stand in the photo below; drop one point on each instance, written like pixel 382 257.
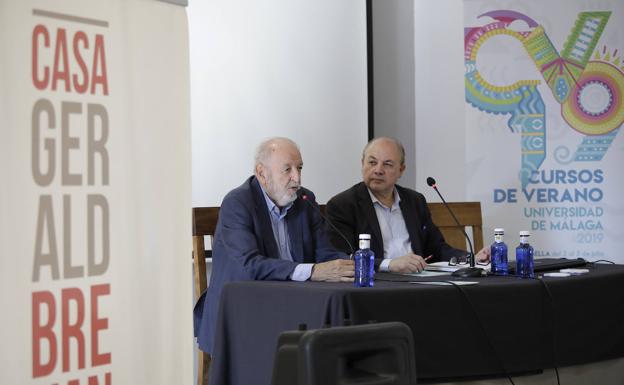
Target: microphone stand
pixel 471 271
pixel 305 198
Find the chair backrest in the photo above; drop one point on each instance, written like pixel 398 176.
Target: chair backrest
pixel 468 214
pixel 204 223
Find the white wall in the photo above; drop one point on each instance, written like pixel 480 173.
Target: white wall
pixel 439 101
pixel 394 85
pixel 291 68
pixel 419 89
pixel 298 69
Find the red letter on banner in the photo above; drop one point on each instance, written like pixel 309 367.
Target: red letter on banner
pixel 99 58
pixel 40 83
pixel 98 324
pixel 60 53
pixel 93 380
pixel 68 330
pixel 40 332
pixel 81 88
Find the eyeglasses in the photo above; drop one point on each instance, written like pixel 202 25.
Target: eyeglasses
pixel 454 261
pixel 464 260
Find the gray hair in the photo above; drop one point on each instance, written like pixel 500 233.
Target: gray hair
pixel 398 144
pixel 266 148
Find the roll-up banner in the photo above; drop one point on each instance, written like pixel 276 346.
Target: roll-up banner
pixel 95 199
pixel 544 88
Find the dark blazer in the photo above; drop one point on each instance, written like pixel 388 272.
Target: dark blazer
pixel 244 248
pixel 353 213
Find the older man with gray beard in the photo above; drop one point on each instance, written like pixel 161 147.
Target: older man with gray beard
pixel 267 231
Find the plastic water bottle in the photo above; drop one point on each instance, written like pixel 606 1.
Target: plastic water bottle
pixel 499 253
pixel 364 259
pixel 524 256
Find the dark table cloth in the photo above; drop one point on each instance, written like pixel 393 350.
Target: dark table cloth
pixel 501 325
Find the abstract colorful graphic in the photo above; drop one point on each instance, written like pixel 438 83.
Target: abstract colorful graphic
pixel 590 91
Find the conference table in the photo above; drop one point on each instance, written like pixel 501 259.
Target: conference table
pixel 498 326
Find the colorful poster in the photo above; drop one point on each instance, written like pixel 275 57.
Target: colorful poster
pixel 544 86
pixel 95 198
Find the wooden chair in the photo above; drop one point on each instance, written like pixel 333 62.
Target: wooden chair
pixel 204 223
pixel 468 214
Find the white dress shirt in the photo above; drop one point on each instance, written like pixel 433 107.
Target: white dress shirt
pixel 396 241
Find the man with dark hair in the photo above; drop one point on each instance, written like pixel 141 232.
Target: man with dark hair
pixel 403 237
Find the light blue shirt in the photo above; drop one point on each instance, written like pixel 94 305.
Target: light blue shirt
pixel 303 271
pixel 396 241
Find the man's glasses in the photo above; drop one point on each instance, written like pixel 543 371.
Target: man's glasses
pixel 454 261
pixel 464 260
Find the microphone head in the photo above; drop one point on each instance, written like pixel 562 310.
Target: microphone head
pixel 431 182
pixel 301 194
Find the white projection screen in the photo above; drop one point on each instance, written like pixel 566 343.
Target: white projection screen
pixel 291 68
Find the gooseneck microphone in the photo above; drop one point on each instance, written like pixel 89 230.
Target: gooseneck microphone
pixel 471 271
pixel 306 199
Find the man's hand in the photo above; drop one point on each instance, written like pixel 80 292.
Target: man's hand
pixel 338 270
pixel 483 255
pixel 410 263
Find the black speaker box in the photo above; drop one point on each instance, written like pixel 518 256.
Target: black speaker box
pixel 371 354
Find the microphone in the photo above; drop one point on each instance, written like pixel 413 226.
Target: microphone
pixel 305 197
pixel 471 271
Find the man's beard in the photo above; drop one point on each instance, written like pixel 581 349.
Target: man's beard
pixel 285 197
